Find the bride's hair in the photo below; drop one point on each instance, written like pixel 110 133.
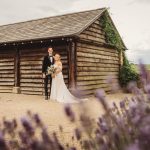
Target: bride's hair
pixel 58 55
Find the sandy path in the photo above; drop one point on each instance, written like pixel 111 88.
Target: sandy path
pixel 52 113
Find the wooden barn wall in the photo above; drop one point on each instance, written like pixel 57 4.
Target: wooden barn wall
pixel 94 33
pixel 94 62
pixel 31 81
pixel 7 78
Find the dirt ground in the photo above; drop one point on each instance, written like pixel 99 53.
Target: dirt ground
pixel 51 112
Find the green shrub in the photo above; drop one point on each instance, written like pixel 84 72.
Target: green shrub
pixel 127 73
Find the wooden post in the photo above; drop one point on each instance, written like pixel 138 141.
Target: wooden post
pixel 120 59
pixel 72 65
pixel 16 89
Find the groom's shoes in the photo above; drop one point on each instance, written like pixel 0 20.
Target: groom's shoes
pixel 46 97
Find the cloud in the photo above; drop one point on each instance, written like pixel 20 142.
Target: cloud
pixel 21 10
pixel 140 51
pixel 143 1
pixel 138 1
pixel 135 55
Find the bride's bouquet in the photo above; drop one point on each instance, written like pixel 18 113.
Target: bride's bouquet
pixel 51 70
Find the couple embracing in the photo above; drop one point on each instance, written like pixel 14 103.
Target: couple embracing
pixel 58 89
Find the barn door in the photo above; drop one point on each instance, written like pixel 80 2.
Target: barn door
pixel 7 76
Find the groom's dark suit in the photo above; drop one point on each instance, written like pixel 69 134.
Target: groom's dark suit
pixel 47 62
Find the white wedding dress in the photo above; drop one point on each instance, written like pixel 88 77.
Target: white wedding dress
pixel 59 91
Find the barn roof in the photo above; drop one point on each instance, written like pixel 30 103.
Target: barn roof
pixel 50 27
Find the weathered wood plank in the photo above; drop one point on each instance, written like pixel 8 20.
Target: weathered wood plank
pixel 90 55
pixel 31 76
pixel 97 65
pixel 6 60
pixel 30 71
pixel 37 89
pixel 6 64
pixel 100 60
pixel 6 71
pixel 29 80
pixel 96 73
pixel 90 34
pixel 6 83
pixel 95 82
pixel 7 79
pixel 80 83
pixel 38 85
pixel 35 67
pixel 31 92
pixel 91 38
pixel 7 67
pixel 99 52
pixel 89 46
pixel 6 91
pixel 95 30
pixel 34 62
pixel 6 87
pixel 7 75
pixel 83 78
pixel 97 69
pixel 91 87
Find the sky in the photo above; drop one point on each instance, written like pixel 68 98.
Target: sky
pixel 131 17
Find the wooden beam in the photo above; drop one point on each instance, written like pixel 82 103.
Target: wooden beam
pixel 17 68
pixel 72 64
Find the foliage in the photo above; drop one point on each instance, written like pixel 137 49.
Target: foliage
pixel 111 34
pixel 124 127
pixel 127 73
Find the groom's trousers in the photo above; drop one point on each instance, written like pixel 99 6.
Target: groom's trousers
pixel 47 80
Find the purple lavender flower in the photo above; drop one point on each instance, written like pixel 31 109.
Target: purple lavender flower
pixel 3 145
pixel 24 137
pixel 100 94
pixel 104 147
pixel 27 126
pixel 100 119
pixel 73 148
pixel 122 104
pixel 78 134
pixel 131 86
pixel 133 147
pixel 46 138
pixel 14 123
pixel 7 124
pixel 37 119
pixel 145 132
pixel 115 106
pixel 69 113
pixel 60 128
pixel 132 104
pixel 143 72
pixel 104 127
pixel 147 88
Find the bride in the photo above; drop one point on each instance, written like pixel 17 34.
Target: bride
pixel 59 91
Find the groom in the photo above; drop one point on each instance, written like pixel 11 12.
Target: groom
pixel 47 62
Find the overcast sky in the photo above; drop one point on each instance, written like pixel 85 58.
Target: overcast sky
pixel 132 18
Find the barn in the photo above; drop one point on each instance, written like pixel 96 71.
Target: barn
pixel 79 37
